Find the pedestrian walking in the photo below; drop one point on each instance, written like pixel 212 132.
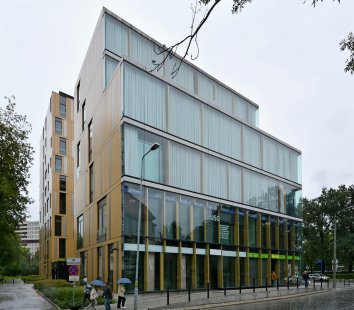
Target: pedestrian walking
pixel 306 278
pixel 121 297
pixel 107 295
pixel 87 291
pixel 93 297
pixel 274 278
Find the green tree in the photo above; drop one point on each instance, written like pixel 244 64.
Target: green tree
pixel 16 156
pixel 318 227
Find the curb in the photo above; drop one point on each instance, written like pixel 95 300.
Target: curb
pixel 47 299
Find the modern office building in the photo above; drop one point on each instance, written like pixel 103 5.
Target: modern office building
pixel 56 187
pixel 220 199
pixel 28 231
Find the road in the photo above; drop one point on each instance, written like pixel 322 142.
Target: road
pixel 22 296
pixel 341 299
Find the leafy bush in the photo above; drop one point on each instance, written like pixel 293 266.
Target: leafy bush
pixel 61 293
pixel 31 278
pixel 42 284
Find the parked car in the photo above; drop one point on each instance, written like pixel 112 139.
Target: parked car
pixel 318 277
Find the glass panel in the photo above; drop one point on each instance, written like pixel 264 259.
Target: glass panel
pixel 215 177
pixel 80 231
pixel 155 214
pixel 142 51
pixel 170 216
pixel 251 147
pixel 62 181
pixel 227 225
pixel 184 116
pixel 58 126
pixel 205 87
pixel 212 221
pixel 252 224
pixel 200 271
pixel 235 183
pixel 223 98
pixel 62 203
pixel 58 225
pixel 62 248
pixel 185 76
pixel 58 163
pixel 101 220
pixel 184 218
pixel 144 97
pixel 221 133
pixel 62 146
pixel 116 36
pixel 62 106
pixel 170 264
pixel 241 220
pixel 110 67
pixel 229 271
pixel 198 221
pixel 184 167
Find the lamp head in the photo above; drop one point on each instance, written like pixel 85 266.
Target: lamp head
pixel 155 146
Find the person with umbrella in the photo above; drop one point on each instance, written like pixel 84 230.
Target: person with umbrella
pixel 107 294
pixel 121 292
pixel 93 297
pixel 87 291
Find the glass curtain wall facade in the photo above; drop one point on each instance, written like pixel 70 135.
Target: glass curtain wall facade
pixel 220 198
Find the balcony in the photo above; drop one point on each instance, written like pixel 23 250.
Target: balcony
pixel 101 234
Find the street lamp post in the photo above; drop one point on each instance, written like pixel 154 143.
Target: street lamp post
pixel 334 262
pixel 136 288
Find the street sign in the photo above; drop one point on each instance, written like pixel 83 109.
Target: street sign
pixel 74 278
pixel 73 261
pixel 73 270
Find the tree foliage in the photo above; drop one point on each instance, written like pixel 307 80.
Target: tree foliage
pixel 16 156
pixel 318 227
pixel 348 44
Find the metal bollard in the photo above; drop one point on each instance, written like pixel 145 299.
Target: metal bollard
pixel 208 289
pixel 189 293
pixel 168 295
pixel 314 283
pixel 344 282
pixel 328 283
pixel 297 283
pixel 321 282
pixel 349 283
pixel 288 283
pixel 240 288
pixel 266 285
pixel 224 290
pixel 254 285
pixel 13 281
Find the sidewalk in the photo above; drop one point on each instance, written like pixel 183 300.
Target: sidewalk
pixel 158 301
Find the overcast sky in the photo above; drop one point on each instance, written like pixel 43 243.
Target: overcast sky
pixel 282 54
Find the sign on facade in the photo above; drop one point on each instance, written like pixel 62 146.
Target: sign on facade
pixel 73 261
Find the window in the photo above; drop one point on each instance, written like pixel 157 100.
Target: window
pixel 90 141
pixel 62 181
pixel 62 146
pixel 83 115
pixel 58 125
pixel 62 203
pixel 78 152
pixel 58 225
pixel 91 183
pixel 58 163
pixel 80 231
pixel 62 252
pixel 62 107
pixel 101 236
pixel 78 97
